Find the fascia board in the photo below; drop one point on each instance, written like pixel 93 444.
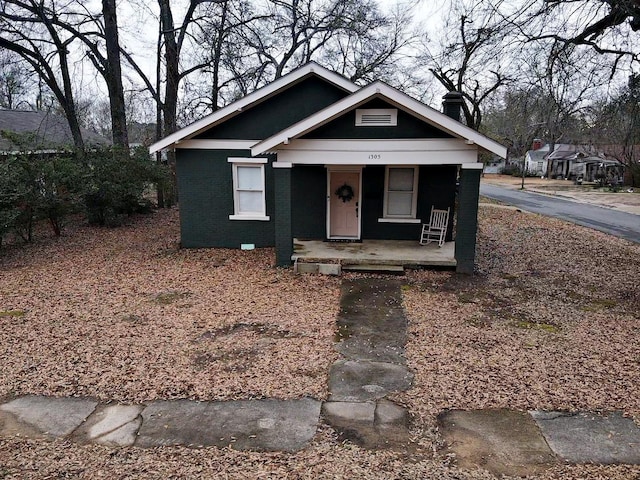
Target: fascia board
pixel 395 97
pixel 259 95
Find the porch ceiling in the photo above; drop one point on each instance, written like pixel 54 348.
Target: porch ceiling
pixel 375 252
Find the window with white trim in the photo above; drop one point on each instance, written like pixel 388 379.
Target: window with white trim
pixel 248 189
pixel 400 192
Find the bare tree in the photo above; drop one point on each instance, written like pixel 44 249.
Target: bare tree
pixel 514 118
pixel 471 56
pixel 293 32
pixel 111 69
pixel 609 27
pixel 372 46
pixel 567 79
pixel 615 127
pixel 65 25
pixel 229 67
pixel 16 82
pixel 29 30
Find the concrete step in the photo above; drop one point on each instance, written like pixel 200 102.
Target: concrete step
pixel 371 268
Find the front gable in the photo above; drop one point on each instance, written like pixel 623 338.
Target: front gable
pixel 407 126
pixel 273 107
pixel 278 112
pixel 371 94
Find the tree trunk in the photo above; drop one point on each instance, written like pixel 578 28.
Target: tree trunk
pixel 170 105
pixel 113 77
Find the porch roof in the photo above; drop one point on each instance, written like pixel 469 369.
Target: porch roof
pixel 391 95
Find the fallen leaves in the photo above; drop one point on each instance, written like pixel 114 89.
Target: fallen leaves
pixel 121 315
pixel 550 322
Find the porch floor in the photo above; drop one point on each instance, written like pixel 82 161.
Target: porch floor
pixel 374 252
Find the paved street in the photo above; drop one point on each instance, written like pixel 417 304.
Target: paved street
pixel 620 224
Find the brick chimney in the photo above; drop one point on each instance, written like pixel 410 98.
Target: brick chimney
pixel 451 104
pixel 537 144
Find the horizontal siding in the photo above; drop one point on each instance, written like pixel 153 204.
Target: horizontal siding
pixel 279 112
pixel 436 184
pixel 309 205
pixel 436 187
pixel 205 187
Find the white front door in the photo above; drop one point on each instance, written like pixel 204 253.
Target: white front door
pixel 344 205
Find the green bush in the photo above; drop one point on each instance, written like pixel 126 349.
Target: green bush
pixel 116 184
pixel 36 186
pixel 512 169
pixel 107 185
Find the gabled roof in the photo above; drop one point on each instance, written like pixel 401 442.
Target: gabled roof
pixel 539 154
pixel 580 153
pixel 391 95
pixel 41 131
pixel 252 99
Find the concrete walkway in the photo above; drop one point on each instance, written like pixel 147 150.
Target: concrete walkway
pixel 371 335
pixel 509 442
pixel 372 330
pixel 246 425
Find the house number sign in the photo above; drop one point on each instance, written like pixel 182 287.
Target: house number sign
pixel 375 156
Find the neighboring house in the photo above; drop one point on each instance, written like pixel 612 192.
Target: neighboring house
pixel 584 163
pixel 495 165
pixel 536 159
pixel 573 162
pixel 141 134
pixel 42 131
pixel 314 156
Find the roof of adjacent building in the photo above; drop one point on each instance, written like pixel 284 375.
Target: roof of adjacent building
pixel 40 131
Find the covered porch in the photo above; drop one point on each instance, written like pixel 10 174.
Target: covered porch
pixel 400 253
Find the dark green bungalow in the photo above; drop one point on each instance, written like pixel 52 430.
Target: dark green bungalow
pixel 314 156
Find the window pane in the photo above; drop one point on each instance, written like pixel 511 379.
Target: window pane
pixel 249 178
pixel 401 179
pixel 250 202
pixel 399 203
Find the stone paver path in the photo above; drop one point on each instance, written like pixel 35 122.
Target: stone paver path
pixel 523 443
pixel 505 442
pixel 372 330
pixel 591 438
pixel 265 425
pixel 268 425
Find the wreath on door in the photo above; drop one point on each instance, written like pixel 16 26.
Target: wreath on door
pixel 345 193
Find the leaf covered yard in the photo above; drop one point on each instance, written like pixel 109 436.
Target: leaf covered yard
pixel 125 315
pixel 549 321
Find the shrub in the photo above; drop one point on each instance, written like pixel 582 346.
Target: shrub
pixel 116 183
pixel 511 169
pixel 36 186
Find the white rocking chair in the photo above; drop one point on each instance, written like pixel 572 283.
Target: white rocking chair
pixel 436 229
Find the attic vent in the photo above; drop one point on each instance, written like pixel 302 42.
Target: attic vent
pixel 379 117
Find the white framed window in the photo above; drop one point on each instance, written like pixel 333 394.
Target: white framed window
pixel 249 199
pixel 376 117
pixel 400 193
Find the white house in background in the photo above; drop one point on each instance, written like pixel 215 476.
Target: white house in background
pixel 536 159
pixel 572 162
pixel 495 165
